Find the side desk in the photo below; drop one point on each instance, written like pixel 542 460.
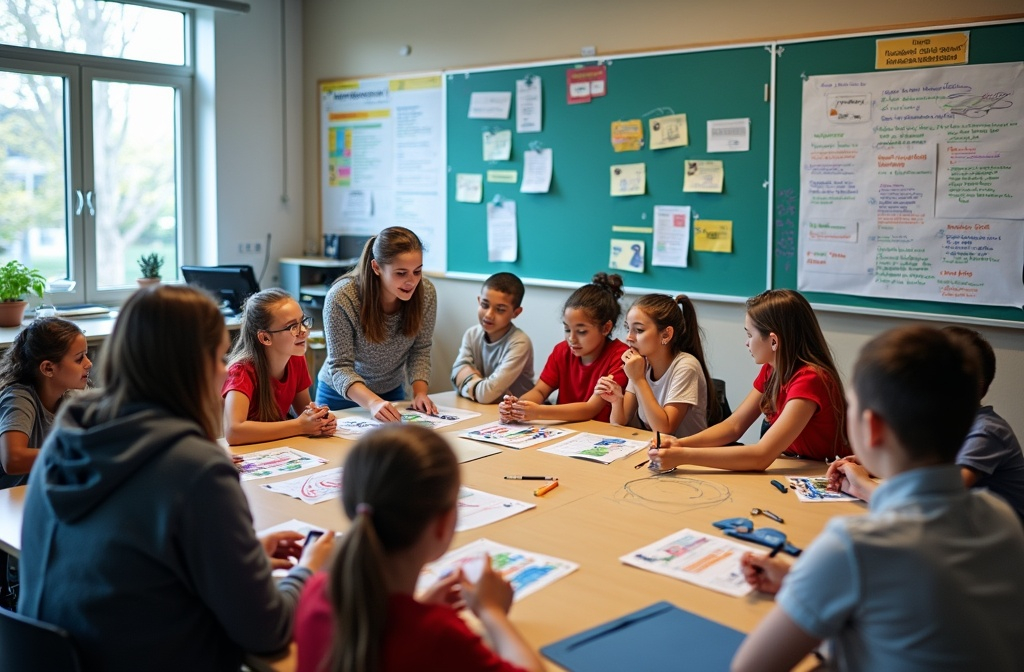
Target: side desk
pixel 596 514
pixel 96 329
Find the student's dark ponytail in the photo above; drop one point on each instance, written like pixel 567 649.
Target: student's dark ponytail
pixel 396 481
pixel 599 300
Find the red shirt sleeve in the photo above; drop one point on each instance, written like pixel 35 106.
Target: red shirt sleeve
pixel 241 377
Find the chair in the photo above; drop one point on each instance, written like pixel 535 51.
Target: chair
pixel 28 645
pixel 723 402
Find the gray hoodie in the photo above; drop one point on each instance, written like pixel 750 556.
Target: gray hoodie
pixel 138 540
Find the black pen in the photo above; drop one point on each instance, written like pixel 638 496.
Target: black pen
pixel 775 551
pixel 531 478
pixel 657 444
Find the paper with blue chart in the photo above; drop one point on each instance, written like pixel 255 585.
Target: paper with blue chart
pixel 515 435
pixel 477 508
pixel 816 490
pixel 528 572
pixel 626 255
pixel 275 462
pixel 695 557
pixel 603 449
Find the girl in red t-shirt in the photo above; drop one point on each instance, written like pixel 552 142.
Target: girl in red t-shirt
pixel 400 489
pixel 267 374
pixel 798 390
pixel 575 366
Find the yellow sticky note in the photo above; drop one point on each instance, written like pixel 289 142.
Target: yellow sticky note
pixel 629 179
pixel 627 136
pixel 669 131
pixel 503 176
pixel 712 235
pixel 704 176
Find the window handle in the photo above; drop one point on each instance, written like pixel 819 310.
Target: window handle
pixel 88 202
pixel 80 200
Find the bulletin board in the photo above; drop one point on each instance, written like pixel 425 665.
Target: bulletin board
pixel 564 235
pixel 999 43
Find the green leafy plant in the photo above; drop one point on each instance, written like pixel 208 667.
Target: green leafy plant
pixel 17 280
pixel 150 265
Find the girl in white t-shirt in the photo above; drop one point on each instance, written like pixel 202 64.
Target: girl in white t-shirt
pixel 668 388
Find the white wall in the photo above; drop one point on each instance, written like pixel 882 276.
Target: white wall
pixel 258 180
pixel 343 38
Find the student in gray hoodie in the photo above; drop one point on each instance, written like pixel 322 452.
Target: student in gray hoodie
pixel 137 537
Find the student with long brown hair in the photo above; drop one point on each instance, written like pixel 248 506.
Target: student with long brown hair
pixel 48 358
pixel 136 531
pixel 379 325
pixel 669 382
pixel 798 390
pixel 400 489
pixel 268 376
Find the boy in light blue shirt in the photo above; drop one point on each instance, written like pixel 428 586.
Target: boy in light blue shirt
pixel 929 579
pixel 496 357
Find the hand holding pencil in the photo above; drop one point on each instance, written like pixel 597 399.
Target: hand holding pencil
pixel 764 571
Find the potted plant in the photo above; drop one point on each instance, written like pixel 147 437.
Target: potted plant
pixel 150 265
pixel 16 281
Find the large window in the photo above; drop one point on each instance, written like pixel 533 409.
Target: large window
pixel 95 126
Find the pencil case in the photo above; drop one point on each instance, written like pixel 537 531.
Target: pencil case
pixel 743 528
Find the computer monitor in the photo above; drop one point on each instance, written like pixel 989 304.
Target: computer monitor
pixel 231 285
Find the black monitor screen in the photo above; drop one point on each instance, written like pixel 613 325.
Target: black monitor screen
pixel 231 285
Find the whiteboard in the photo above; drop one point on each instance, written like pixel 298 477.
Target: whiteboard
pixel 382 159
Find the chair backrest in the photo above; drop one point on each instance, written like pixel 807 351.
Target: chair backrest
pixel 723 402
pixel 28 645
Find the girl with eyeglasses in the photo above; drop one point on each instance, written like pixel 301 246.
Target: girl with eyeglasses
pixel 267 374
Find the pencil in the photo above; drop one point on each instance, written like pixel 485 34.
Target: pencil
pixel 543 490
pixel 778 547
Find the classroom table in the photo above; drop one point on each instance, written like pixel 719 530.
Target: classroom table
pixel 596 514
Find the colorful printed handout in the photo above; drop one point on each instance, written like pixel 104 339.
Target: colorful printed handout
pixel 357 425
pixel 815 489
pixel 603 449
pixel 275 462
pixel 477 508
pixel 312 489
pixel 527 572
pixel 710 562
pixel 514 435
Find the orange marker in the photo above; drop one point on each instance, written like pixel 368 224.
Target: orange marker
pixel 545 489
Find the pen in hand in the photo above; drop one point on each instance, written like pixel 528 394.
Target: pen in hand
pixel 657 444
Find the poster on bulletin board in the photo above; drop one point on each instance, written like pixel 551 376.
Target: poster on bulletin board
pixel 382 159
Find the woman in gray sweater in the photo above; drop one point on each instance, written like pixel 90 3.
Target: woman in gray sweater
pixel 379 325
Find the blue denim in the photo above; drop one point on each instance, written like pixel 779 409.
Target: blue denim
pixel 325 394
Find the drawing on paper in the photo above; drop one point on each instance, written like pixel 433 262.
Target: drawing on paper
pixel 514 436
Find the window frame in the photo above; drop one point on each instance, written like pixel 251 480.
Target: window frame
pixel 79 71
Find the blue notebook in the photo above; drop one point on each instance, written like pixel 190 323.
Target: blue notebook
pixel 659 637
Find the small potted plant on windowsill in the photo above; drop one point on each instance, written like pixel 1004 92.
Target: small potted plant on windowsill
pixel 16 281
pixel 150 265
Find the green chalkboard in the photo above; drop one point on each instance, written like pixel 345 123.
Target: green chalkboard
pixel 565 235
pixel 988 44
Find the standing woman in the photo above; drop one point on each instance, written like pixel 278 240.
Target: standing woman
pixel 379 324
pixel 137 537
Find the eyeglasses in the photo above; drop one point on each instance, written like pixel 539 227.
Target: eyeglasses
pixel 305 323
